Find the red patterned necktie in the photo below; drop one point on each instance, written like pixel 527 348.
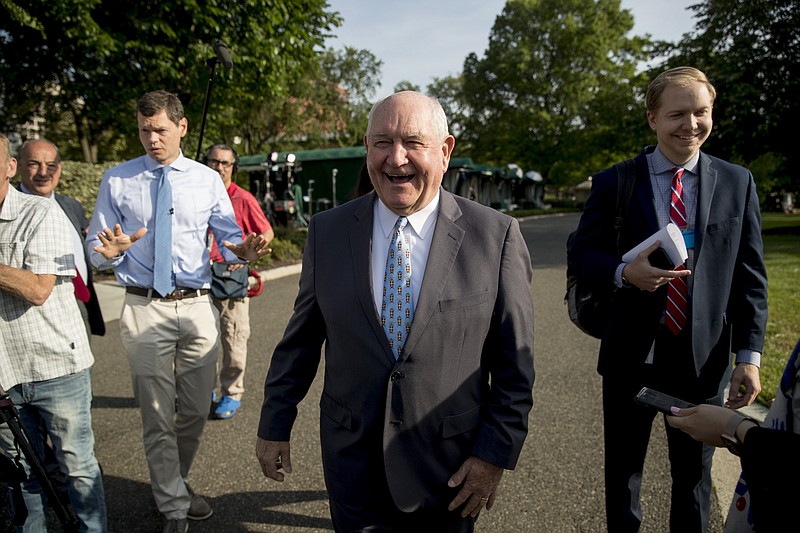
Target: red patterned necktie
pixel 81 290
pixel 678 290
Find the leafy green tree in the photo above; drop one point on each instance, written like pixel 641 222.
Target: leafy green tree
pixel 406 85
pixel 751 52
pixel 557 89
pixel 325 107
pixel 449 92
pixel 352 76
pixel 83 64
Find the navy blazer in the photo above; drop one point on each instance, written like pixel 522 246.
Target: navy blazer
pixel 463 383
pixel 729 286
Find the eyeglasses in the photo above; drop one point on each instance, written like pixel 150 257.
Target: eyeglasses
pixel 217 162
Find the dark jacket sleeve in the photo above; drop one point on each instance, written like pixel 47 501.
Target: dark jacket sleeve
pixel 508 351
pixel 296 358
pixel 771 467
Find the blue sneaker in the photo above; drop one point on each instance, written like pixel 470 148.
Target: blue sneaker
pixel 227 407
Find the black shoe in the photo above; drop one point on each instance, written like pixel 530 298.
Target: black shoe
pixel 198 508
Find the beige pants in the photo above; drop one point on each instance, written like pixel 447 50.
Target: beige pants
pixel 172 351
pixel 234 325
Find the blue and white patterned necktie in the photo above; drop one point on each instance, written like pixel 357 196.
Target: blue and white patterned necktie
pixel 163 277
pixel 397 309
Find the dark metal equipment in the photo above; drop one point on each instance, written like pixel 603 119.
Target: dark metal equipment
pixel 222 56
pixel 10 416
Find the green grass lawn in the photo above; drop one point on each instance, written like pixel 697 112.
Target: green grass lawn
pixel 782 256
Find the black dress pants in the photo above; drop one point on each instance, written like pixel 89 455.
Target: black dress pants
pixel 627 427
pixel 386 518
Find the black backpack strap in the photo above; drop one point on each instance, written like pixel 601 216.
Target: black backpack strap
pixel 626 177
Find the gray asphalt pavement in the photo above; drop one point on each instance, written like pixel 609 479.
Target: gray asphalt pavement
pixel 557 487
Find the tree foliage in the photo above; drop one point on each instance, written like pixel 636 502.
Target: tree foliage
pixel 405 85
pixel 750 50
pixel 449 92
pixel 327 106
pixel 557 89
pixel 83 64
pixel 352 77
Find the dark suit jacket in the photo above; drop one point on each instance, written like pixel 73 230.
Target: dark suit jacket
pixel 76 214
pixel 463 385
pixel 729 293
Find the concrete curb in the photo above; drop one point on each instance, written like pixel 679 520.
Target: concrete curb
pixel 281 272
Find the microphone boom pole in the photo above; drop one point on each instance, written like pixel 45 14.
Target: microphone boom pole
pixel 223 56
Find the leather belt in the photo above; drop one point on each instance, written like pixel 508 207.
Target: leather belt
pixel 177 294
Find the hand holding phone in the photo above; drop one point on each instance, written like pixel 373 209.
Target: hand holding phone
pixel 660 401
pixel 660 259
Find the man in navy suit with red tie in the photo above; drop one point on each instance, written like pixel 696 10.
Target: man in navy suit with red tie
pixel 675 330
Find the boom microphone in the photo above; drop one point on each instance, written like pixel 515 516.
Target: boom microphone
pixel 224 57
pixel 223 54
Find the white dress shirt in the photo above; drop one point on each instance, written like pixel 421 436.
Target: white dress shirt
pixel 419 233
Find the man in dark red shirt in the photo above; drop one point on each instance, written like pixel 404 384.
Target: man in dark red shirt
pixel 234 313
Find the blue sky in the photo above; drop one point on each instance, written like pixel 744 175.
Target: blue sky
pixel 418 40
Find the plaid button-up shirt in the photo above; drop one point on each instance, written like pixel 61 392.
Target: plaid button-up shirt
pixel 47 341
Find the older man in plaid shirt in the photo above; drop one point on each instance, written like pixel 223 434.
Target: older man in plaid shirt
pixel 44 351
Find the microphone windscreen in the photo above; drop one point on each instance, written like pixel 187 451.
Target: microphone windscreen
pixel 223 54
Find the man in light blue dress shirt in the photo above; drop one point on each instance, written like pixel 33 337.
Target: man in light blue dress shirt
pixel 172 338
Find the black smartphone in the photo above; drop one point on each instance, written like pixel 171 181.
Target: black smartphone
pixel 660 401
pixel 660 259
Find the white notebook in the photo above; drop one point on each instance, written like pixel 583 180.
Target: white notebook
pixel 671 241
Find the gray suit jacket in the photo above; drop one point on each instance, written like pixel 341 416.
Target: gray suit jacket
pixel 76 214
pixel 463 385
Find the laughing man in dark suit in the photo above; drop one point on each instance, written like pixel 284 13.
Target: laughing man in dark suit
pixel 415 434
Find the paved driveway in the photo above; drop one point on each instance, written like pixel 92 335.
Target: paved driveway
pixel 557 487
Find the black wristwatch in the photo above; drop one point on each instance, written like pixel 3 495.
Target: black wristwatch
pixel 729 433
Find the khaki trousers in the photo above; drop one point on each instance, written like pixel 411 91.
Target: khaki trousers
pixel 234 325
pixel 172 351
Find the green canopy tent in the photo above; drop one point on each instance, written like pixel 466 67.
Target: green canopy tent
pixel 327 177
pixel 332 174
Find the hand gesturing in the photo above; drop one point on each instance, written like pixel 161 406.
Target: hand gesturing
pixel 116 242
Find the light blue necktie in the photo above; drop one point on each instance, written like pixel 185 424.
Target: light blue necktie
pixel 163 278
pixel 397 310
